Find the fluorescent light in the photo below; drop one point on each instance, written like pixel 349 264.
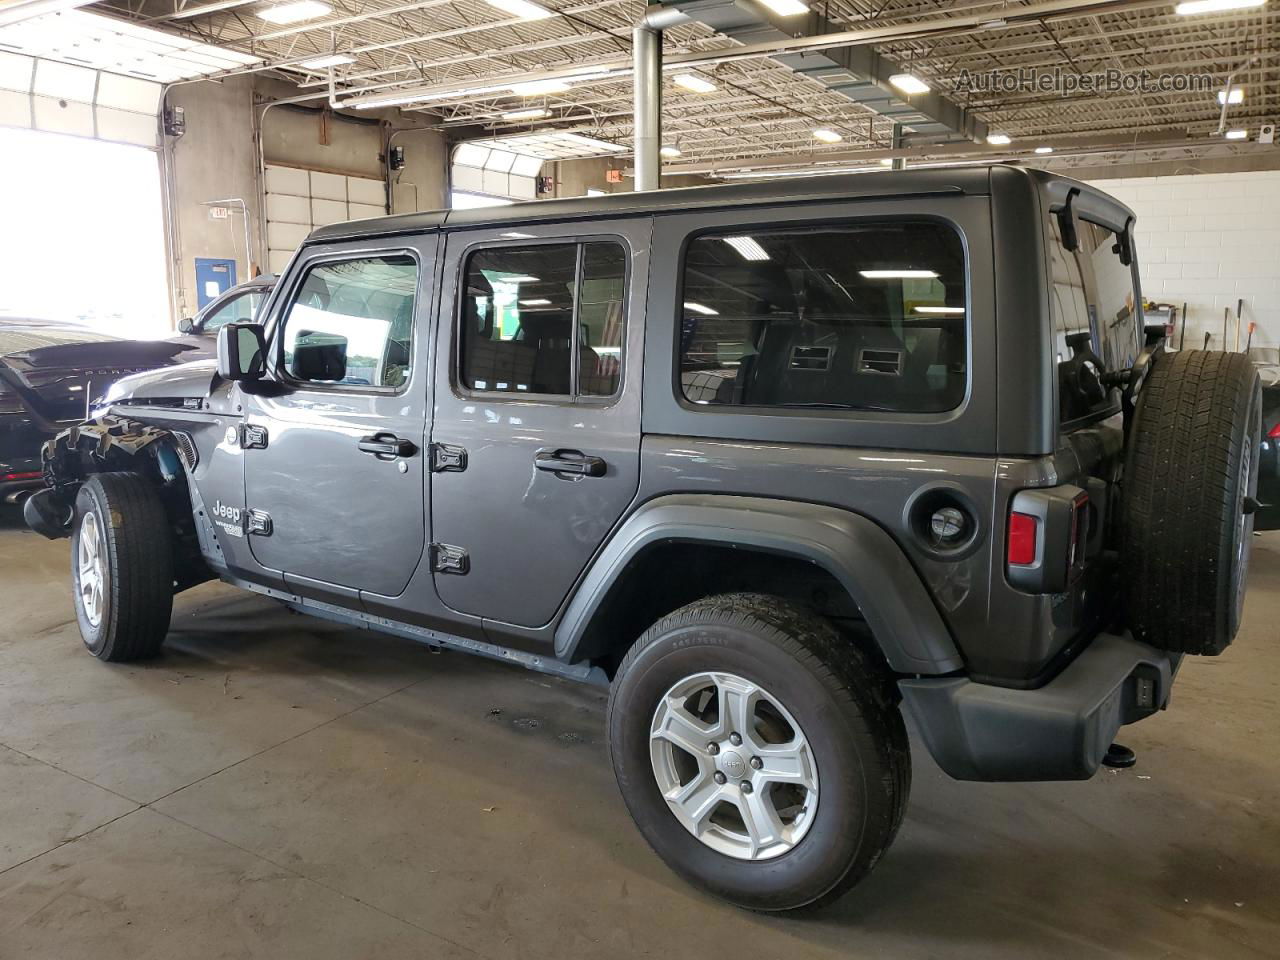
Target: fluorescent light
pixel 670 151
pixel 1044 149
pixel 786 8
pixel 947 310
pixel 522 278
pixel 1235 96
pixel 909 83
pixel 998 139
pixel 898 274
pixel 693 83
pixel 747 247
pixel 1237 134
pixel 827 136
pixel 523 9
pixel 293 12
pixel 1192 7
pixel 537 113
pixel 699 308
pixel 535 88
pixel 535 302
pixel 886 161
pixel 333 60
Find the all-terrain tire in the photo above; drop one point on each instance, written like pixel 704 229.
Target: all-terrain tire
pixel 841 700
pixel 1186 528
pixel 128 617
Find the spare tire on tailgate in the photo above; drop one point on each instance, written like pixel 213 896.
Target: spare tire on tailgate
pixel 1190 474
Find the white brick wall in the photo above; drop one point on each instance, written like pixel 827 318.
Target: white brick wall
pixel 1209 239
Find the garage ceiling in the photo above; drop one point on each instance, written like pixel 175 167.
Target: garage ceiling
pixel 456 54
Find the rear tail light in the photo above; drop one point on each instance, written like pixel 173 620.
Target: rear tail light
pixel 1047 538
pixel 21 475
pixel 1023 533
pixel 1274 432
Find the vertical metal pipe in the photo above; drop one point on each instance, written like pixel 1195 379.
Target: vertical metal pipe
pixel 646 45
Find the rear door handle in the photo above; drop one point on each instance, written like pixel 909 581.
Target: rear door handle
pixel 386 445
pixel 570 463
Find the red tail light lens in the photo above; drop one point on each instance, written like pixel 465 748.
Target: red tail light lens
pixel 1274 432
pixel 1023 530
pixel 24 475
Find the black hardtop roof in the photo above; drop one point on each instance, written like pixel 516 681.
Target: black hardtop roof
pixel 890 183
pixel 975 180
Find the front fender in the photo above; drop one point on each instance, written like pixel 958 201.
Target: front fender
pixel 852 548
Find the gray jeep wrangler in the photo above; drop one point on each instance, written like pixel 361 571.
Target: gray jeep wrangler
pixel 778 462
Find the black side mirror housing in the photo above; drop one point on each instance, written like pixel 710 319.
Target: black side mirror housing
pixel 242 351
pixel 186 325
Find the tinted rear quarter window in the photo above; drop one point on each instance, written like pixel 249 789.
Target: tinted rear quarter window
pixel 865 316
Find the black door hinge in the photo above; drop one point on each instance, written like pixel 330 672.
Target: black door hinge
pixel 447 459
pixel 446 558
pixel 253 437
pixel 258 523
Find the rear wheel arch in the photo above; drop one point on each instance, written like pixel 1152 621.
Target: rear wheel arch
pixel 834 561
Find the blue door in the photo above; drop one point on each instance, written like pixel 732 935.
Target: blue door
pixel 213 279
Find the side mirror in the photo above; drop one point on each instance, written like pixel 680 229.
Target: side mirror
pixel 186 325
pixel 242 351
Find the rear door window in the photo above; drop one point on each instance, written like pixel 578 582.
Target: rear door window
pixel 1096 324
pixel 866 316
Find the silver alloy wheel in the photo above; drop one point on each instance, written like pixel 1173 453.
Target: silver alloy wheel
pixel 89 568
pixel 734 766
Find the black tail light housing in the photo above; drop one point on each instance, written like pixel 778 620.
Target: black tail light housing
pixel 1046 538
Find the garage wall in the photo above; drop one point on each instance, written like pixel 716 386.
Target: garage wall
pixel 1210 239
pixel 215 159
pixel 300 200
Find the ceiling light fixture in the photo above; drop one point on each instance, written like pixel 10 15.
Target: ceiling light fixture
pixel 886 161
pixel 1044 149
pixel 536 88
pixel 536 302
pixel 293 12
pixel 786 8
pixel 518 278
pixel 827 136
pixel 908 83
pixel 537 113
pixel 670 151
pixel 524 9
pixel 1235 96
pixel 693 83
pixel 1192 7
pixel 747 247
pixel 998 139
pixel 1237 134
pixel 949 311
pixel 700 308
pixel 899 274
pixel 333 60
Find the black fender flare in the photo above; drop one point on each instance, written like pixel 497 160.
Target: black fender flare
pixel 852 548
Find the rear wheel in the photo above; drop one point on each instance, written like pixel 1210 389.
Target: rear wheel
pixel 121 567
pixel 1190 479
pixel 758 751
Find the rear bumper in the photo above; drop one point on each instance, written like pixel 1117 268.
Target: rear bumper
pixel 1060 731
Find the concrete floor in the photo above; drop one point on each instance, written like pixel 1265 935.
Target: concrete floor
pixel 278 787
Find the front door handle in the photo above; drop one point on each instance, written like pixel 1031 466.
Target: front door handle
pixel 570 462
pixel 386 445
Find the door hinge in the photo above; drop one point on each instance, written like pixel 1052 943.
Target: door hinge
pixel 258 523
pixel 253 437
pixel 447 459
pixel 446 558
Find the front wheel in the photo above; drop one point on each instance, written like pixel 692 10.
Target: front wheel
pixel 121 567
pixel 758 751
